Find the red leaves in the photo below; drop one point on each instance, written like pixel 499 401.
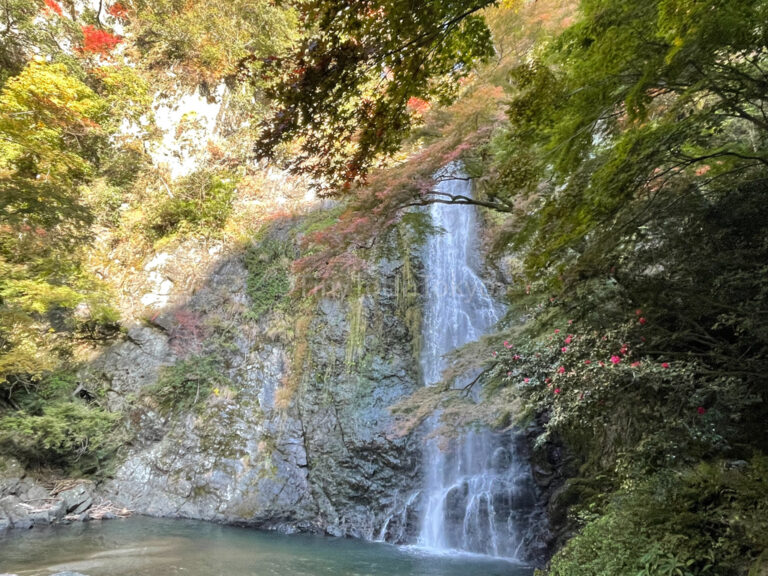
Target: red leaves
pixel 97 41
pixel 53 7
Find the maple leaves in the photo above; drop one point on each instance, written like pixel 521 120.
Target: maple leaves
pixel 98 41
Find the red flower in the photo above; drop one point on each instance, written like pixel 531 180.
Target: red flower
pixel 548 380
pixel 494 353
pixel 601 363
pixel 568 340
pixel 665 364
pixel 587 362
pixel 564 349
pixel 615 359
pixel 642 320
pixel 53 6
pixel 701 410
pixel 557 390
pixel 516 357
pixel 561 370
pixel 623 350
pixel 98 41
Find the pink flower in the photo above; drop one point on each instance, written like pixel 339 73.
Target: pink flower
pixel 635 364
pixel 570 322
pixel 615 359
pixel 623 350
pixel 507 344
pixel 557 390
pixel 642 320
pixel 568 340
pixel 561 370
pixel 494 352
pixel 601 363
pixel 557 331
pixel 548 380
pixel 701 410
pixel 516 357
pixel 564 349
pixel 638 312
pixel 526 380
pixel 665 364
pixel 587 362
pixel 509 373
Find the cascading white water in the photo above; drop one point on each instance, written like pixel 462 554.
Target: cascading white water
pixel 478 496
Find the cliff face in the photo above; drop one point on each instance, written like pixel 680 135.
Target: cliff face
pixel 321 457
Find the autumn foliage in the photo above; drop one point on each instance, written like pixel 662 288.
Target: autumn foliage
pixel 51 6
pixel 97 41
pixel 118 10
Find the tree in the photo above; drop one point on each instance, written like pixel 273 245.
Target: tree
pixel 342 97
pixel 48 122
pixel 632 103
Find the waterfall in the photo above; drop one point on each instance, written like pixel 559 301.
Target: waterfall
pixel 478 494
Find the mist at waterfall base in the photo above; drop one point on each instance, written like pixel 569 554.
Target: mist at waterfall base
pixel 478 495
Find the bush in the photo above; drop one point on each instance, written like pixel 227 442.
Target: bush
pixel 181 386
pixel 708 519
pixel 201 202
pixel 70 434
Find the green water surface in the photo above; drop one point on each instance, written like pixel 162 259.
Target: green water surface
pixel 157 547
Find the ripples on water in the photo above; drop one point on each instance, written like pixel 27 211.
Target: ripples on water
pixel 159 547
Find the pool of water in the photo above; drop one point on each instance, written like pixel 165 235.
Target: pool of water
pixel 157 547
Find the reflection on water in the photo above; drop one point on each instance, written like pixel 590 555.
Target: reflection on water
pixel 158 547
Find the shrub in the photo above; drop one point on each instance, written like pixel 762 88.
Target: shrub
pixel 70 434
pixel 188 382
pixel 201 202
pixel 707 519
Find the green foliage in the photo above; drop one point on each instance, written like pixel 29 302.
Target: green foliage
pixel 707 519
pixel 201 202
pixel 268 283
pixel 69 434
pixel 189 383
pixel 623 123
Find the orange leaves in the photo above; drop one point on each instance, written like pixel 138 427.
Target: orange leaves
pixel 97 41
pixel 118 10
pixel 418 105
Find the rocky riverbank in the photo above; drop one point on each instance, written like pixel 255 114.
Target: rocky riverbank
pixel 26 502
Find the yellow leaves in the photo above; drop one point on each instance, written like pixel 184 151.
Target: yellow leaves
pixel 42 110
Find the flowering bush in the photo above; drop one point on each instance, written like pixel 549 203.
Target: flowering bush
pixel 608 394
